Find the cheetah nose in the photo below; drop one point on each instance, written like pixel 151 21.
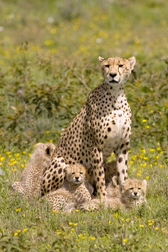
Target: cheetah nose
pixel 135 193
pixel 77 178
pixel 113 75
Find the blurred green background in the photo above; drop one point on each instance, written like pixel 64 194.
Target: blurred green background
pixel 49 63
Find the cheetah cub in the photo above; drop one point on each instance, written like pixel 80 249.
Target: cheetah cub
pixel 74 191
pixel 133 194
pixel 31 179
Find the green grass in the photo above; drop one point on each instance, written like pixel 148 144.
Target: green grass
pixel 48 64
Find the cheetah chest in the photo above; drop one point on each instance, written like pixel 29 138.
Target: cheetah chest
pixel 117 131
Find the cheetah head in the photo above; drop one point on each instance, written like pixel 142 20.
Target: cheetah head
pixel 116 70
pixel 75 174
pixel 43 153
pixel 134 188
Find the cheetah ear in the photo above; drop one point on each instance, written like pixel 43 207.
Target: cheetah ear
pixel 39 145
pixel 132 62
pixel 144 183
pixel 114 181
pixel 101 59
pixel 48 150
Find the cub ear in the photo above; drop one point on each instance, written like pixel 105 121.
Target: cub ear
pixel 115 181
pixel 144 183
pixel 39 145
pixel 100 59
pixel 132 62
pixel 48 150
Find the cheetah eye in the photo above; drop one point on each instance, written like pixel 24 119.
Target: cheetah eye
pixel 73 173
pixel 139 188
pixel 131 188
pixel 81 172
pixel 121 65
pixel 107 66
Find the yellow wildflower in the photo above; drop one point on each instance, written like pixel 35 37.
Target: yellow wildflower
pixel 18 209
pixel 53 31
pixel 48 42
pixel 24 230
pixel 125 240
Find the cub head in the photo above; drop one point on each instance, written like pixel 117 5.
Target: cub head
pixel 43 153
pixel 134 188
pixel 75 174
pixel 116 70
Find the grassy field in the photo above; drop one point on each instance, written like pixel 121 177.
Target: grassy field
pixel 48 64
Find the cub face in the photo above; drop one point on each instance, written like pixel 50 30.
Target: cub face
pixel 134 188
pixel 75 174
pixel 116 70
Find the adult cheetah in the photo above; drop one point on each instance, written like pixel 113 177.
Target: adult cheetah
pixel 103 126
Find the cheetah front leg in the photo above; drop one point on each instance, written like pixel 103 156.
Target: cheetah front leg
pixel 121 158
pixel 54 175
pixel 98 169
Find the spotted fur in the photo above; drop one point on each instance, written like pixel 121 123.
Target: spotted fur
pixel 103 126
pixel 133 194
pixel 32 176
pixel 74 191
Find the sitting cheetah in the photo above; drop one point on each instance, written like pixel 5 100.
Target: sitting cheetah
pixel 133 194
pixel 103 126
pixel 32 176
pixel 73 192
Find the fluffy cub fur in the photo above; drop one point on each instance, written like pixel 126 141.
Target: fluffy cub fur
pixel 31 180
pixel 133 194
pixel 73 192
